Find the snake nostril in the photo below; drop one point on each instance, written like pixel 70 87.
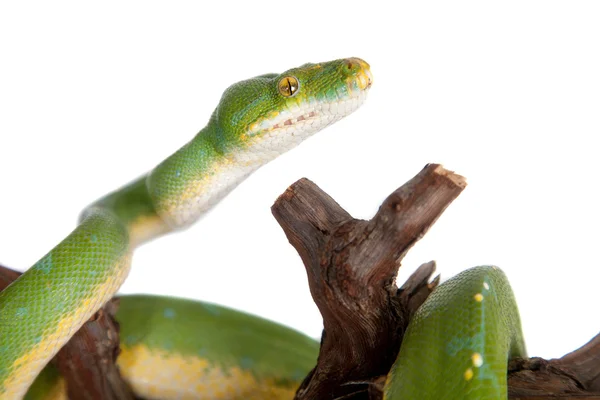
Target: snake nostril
pixel 359 71
pixel 352 63
pixel 357 64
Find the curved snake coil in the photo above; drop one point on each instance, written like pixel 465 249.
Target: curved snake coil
pixel 207 351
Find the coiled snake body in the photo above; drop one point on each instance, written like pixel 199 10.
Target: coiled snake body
pixel 179 349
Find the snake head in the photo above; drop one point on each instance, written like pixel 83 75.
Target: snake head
pixel 255 121
pixel 273 113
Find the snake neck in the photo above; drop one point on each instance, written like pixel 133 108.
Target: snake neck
pixel 201 173
pixel 186 185
pixel 183 187
pixel 133 207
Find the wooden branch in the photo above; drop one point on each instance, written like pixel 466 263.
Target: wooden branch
pixel 575 375
pixel 352 266
pixel 417 288
pixel 585 364
pixel 88 360
pixel 7 276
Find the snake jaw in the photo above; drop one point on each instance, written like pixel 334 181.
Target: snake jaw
pixel 293 121
pixel 290 126
pixel 307 114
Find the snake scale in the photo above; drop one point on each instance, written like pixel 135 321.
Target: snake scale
pixel 456 347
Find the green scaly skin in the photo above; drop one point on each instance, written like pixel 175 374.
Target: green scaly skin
pixel 223 337
pixel 255 121
pixel 438 352
pixel 458 343
pixel 229 337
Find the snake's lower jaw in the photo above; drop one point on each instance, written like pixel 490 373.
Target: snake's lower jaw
pixel 296 125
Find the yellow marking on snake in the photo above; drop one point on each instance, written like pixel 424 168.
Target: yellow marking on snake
pixel 477 359
pixel 208 188
pixel 145 228
pixel 364 78
pixel 58 392
pixel 158 374
pixel 468 374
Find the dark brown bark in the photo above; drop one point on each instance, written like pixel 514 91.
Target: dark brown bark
pixel 575 375
pixel 7 276
pixel 351 267
pixel 585 364
pixel 87 361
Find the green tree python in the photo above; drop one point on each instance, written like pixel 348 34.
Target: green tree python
pixel 457 346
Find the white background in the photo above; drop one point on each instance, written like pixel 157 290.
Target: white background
pixel 93 94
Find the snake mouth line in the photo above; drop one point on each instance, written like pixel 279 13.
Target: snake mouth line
pixel 303 120
pixel 292 121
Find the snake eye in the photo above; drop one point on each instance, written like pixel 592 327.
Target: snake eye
pixel 288 86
